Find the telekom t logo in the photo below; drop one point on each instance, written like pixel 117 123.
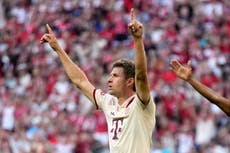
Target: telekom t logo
pixel 117 127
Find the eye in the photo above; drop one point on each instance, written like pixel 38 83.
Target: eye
pixel 115 75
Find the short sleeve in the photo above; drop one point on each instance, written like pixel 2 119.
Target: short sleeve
pixel 100 98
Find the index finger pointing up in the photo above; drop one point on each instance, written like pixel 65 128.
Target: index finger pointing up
pixel 132 15
pixel 49 29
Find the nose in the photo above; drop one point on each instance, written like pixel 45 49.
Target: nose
pixel 109 79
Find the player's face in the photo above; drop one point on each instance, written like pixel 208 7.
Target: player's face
pixel 116 81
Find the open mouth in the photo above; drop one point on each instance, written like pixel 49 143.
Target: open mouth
pixel 109 87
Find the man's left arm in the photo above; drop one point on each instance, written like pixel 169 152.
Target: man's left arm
pixel 141 80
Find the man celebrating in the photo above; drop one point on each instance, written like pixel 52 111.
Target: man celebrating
pixel 128 105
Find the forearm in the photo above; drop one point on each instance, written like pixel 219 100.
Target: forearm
pixel 140 57
pixel 141 81
pixel 211 95
pixel 73 71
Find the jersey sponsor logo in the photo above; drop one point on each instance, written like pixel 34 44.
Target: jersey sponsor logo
pixel 117 128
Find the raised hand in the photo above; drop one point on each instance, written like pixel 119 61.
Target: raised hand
pixel 183 72
pixel 50 38
pixel 135 27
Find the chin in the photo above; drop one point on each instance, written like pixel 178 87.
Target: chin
pixel 111 92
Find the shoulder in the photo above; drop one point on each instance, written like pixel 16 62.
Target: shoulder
pixel 151 103
pixel 98 93
pixel 103 99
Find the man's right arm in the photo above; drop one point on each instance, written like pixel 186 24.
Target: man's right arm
pixel 76 75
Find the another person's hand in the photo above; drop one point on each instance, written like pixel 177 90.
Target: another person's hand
pixel 50 38
pixel 135 27
pixel 183 72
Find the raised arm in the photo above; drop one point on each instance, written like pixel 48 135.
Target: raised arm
pixel 76 75
pixel 141 81
pixel 185 73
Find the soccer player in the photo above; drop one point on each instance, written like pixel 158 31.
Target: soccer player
pixel 128 106
pixel 185 73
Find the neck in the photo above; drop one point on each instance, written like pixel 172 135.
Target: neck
pixel 124 97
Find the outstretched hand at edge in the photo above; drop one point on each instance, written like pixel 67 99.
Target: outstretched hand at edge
pixel 183 72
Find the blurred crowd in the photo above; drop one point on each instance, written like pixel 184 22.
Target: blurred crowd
pixel 42 112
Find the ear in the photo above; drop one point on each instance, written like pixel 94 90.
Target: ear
pixel 130 82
